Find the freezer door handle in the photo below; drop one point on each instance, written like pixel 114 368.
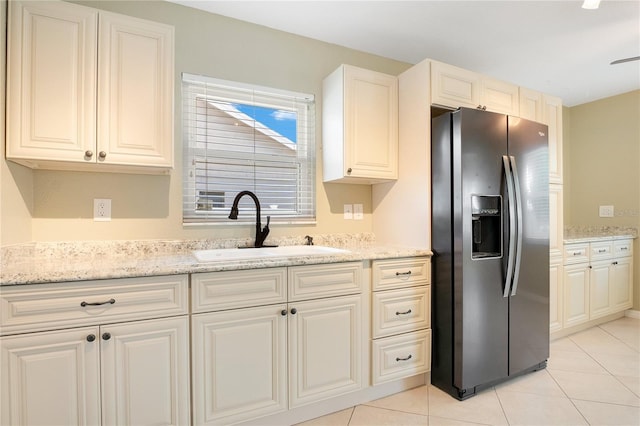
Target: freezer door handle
pixel 512 225
pixel 516 184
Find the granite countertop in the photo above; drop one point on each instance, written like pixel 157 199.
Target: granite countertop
pixel 90 260
pixel 585 234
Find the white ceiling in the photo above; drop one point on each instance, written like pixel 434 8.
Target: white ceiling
pixel 554 47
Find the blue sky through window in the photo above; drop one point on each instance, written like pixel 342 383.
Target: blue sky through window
pixel 281 121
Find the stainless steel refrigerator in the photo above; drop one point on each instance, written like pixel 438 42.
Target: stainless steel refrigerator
pixel 490 239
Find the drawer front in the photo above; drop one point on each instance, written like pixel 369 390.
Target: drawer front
pixel 401 311
pixel 401 356
pixel 576 253
pixel 397 273
pixel 623 248
pixel 215 291
pixel 313 281
pixel 62 305
pixel 601 250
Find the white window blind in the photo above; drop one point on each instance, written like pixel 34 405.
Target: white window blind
pixel 241 137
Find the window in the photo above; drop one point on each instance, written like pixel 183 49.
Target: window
pixel 240 137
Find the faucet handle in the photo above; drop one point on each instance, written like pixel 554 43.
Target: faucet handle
pixel 309 240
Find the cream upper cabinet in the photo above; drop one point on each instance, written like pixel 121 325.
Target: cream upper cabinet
pixel 556 223
pixel 552 117
pixel 530 104
pixel 359 126
pixel 88 90
pixel 456 87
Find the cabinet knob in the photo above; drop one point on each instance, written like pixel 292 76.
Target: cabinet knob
pixel 349 170
pixel 293 311
pixel 106 336
pixel 102 155
pixel 88 153
pixel 91 338
pixel 615 263
pixel 283 312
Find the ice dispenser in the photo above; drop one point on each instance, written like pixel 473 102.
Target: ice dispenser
pixel 486 226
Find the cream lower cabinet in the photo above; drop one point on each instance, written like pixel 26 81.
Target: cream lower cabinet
pixel 264 357
pixel 109 372
pixel 556 294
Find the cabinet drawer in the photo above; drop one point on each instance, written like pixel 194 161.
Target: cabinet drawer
pixel 396 273
pixel 400 311
pixel 576 253
pixel 622 248
pixel 312 281
pixel 601 250
pixel 215 291
pixel 401 356
pixel 63 305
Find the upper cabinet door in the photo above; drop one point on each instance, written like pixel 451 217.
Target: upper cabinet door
pixel 454 87
pixel 135 92
pixel 51 81
pixel 531 105
pixel 552 117
pixel 499 96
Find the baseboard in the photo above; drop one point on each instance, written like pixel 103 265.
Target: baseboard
pixel 632 313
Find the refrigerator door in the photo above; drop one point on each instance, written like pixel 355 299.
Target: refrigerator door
pixel 529 301
pixel 481 315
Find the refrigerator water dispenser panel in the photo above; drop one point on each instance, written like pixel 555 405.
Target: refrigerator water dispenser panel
pixel 486 226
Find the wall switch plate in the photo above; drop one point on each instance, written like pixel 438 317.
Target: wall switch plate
pixel 606 211
pixel 358 212
pixel 101 209
pixel 348 211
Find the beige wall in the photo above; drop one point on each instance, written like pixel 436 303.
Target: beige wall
pixel 54 205
pixel 602 166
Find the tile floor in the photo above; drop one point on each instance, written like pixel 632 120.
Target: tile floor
pixel 592 378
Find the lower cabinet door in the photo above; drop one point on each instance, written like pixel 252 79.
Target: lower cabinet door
pixel 325 348
pixel 239 364
pixel 576 294
pixel 145 372
pixel 404 355
pixel 555 294
pixel 599 292
pixel 50 378
pixel 622 284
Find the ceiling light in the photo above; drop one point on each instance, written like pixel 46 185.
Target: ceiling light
pixel 591 4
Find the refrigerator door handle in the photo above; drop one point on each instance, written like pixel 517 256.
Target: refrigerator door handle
pixel 512 225
pixel 516 183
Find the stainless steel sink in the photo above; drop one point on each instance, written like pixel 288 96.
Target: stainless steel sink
pixel 221 255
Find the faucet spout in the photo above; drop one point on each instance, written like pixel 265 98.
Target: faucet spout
pixel 261 234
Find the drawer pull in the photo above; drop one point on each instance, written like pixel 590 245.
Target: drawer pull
pixel 110 301
pixel 404 359
pixel 91 338
pixel 403 313
pixel 577 253
pixel 624 248
pixel 602 250
pixel 403 273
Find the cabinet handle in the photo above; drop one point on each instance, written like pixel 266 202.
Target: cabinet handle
pixel 602 250
pixel 110 301
pixel 403 273
pixel 91 338
pixel 88 153
pixel 349 170
pixel 102 155
pixel 403 313
pixel 615 263
pixel 106 336
pixel 283 312
pixel 590 267
pixel 294 311
pixel 404 359
pixel 624 248
pixel 577 253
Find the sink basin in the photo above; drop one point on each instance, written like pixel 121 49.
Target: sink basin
pixel 221 255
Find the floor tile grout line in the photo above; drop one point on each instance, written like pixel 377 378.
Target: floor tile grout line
pixel 605 403
pixel 504 412
pixel 616 337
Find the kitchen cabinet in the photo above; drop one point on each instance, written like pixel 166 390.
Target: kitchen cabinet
pixel 556 296
pixel 598 280
pixel 88 89
pixel 455 87
pixel 556 222
pixel 106 369
pixel 359 126
pixel 289 350
pixel 401 318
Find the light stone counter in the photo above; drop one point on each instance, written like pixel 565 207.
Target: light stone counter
pixel 585 234
pixel 90 260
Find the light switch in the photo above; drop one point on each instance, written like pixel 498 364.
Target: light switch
pixel 348 211
pixel 358 212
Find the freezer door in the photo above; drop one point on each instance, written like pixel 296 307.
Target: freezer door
pixel 529 301
pixel 480 310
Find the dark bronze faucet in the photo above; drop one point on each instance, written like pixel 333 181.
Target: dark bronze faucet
pixel 261 234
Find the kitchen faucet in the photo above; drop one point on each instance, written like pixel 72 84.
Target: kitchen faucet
pixel 261 234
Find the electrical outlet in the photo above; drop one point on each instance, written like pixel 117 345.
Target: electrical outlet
pixel 358 212
pixel 606 211
pixel 101 209
pixel 348 211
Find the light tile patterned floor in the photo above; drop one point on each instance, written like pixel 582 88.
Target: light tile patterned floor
pixel 592 378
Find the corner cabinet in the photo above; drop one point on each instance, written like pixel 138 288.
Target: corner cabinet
pixel 359 126
pixel 110 352
pixel 88 89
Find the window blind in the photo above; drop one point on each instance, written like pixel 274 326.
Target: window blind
pixel 240 137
